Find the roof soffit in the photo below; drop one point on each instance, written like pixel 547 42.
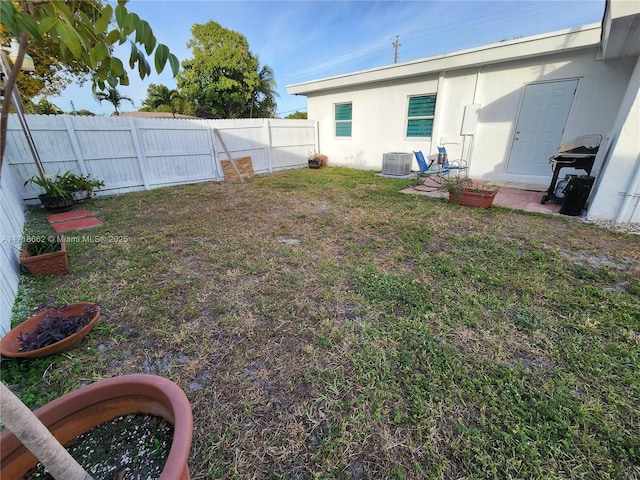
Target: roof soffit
pixel 621 30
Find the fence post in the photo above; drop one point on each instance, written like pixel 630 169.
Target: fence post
pixel 75 145
pixel 217 168
pixel 267 127
pixel 142 160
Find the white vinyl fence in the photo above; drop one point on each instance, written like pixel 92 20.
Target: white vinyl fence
pixel 130 154
pixel 11 225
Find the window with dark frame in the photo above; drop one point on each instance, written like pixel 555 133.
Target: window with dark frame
pixel 343 113
pixel 420 115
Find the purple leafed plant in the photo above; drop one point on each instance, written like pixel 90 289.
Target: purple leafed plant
pixel 55 326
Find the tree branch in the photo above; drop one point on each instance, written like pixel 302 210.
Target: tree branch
pixel 9 88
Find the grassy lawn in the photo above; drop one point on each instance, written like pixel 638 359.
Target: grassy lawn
pixel 401 337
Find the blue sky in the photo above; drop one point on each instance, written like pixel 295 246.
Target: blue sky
pixel 307 40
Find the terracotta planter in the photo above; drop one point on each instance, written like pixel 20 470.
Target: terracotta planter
pixel 55 263
pixel 57 204
pixel 470 198
pixel 314 163
pixel 318 161
pixel 10 345
pixel 79 411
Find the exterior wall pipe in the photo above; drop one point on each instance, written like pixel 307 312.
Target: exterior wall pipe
pixel 475 101
pixel 440 109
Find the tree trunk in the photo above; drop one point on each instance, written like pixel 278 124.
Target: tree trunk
pixel 35 436
pixel 9 86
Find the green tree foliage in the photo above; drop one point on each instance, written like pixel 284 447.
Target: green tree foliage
pixel 44 107
pixel 263 103
pixel 80 33
pixel 50 75
pixel 297 115
pixel 158 95
pixel 84 34
pixel 162 99
pixel 181 105
pixel 112 95
pixel 224 79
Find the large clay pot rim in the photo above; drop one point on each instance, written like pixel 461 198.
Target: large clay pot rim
pixel 142 388
pixel 153 386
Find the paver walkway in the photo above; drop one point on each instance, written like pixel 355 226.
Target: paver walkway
pixel 73 220
pixel 517 198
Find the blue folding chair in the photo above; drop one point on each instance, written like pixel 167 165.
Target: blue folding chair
pixel 455 166
pixel 429 175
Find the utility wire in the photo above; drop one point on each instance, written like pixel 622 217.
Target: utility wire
pixel 434 33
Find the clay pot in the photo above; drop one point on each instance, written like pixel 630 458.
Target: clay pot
pixel 318 161
pixel 57 204
pixel 470 198
pixel 54 263
pixel 10 345
pixel 79 411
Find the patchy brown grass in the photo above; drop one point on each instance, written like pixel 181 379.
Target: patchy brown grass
pixel 324 325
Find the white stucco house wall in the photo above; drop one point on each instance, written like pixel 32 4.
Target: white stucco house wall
pixel 504 108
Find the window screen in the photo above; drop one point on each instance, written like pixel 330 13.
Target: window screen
pixel 420 116
pixel 343 112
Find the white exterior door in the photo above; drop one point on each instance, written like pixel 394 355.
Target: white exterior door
pixel 543 115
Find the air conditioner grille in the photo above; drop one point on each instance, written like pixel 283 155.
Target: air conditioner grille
pixel 396 163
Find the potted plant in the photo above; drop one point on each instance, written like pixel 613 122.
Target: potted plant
pixel 52 330
pixel 56 197
pixel 462 191
pixel 45 255
pixel 317 160
pixel 81 410
pixel 81 187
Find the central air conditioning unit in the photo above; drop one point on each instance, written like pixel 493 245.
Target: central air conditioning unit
pixel 397 163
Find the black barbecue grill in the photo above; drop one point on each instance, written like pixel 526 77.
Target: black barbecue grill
pixel 579 153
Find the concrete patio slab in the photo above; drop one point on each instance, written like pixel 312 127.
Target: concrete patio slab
pixel 526 200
